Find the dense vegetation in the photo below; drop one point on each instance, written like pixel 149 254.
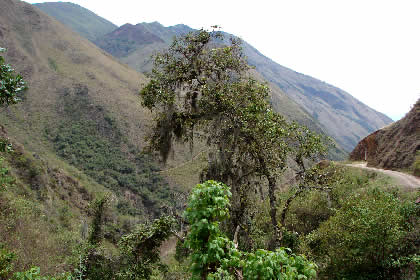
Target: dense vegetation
pixel 329 222
pixel 91 140
pixel 363 229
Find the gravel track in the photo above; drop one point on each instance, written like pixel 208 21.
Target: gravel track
pixel 402 178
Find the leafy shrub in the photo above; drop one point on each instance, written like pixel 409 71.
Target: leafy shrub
pixel 11 84
pixel 139 250
pixel 363 237
pixel 214 256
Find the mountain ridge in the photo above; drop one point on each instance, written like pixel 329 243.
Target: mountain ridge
pixel 332 107
pixel 88 23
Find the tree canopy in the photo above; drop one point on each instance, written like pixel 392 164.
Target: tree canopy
pixel 202 87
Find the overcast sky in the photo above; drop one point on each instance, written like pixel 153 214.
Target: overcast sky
pixel 369 48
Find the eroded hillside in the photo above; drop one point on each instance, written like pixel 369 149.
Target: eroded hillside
pixel 393 147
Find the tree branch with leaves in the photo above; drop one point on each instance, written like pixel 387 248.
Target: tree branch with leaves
pixel 202 86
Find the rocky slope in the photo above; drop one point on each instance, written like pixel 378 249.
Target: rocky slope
pixel 393 147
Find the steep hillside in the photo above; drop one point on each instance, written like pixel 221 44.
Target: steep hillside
pixel 82 107
pixel 134 45
pixel 42 209
pixel 345 118
pixel 393 147
pixel 81 20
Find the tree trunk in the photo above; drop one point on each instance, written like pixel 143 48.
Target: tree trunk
pixel 272 182
pixel 287 205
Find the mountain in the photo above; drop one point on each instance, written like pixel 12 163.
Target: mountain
pixel 344 118
pixel 79 19
pixel 321 106
pixel 82 108
pixel 126 39
pixel 78 134
pixel 394 146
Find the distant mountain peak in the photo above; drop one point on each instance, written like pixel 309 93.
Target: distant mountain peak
pixel 126 39
pixel 81 20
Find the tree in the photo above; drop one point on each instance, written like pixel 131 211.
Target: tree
pixel 11 84
pixel 140 253
pixel 201 88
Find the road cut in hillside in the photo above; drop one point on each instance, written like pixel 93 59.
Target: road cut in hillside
pixel 402 178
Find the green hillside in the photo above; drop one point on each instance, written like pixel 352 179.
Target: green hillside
pixel 81 20
pixel 81 108
pixel 77 134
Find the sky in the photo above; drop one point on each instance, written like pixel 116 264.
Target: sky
pixel 369 48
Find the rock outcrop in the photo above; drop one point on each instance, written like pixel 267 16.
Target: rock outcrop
pixel 392 147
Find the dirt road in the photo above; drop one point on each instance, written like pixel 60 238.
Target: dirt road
pixel 402 178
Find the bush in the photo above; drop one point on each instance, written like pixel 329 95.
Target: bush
pixel 363 237
pixel 215 256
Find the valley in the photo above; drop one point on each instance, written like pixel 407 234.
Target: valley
pixel 149 152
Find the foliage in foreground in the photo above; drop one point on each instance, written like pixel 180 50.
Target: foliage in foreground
pixel 215 256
